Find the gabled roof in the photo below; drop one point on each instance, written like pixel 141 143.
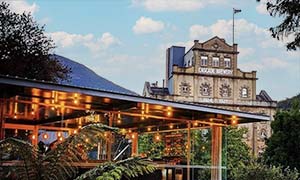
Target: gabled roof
pixel 82 76
pixel 263 96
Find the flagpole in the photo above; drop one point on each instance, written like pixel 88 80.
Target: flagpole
pixel 233 13
pixel 233 27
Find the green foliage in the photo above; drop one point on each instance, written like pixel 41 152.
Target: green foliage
pixel 58 163
pixel 289 11
pixel 149 147
pixel 260 171
pixel 237 151
pixel 129 168
pixel 283 146
pixel 25 49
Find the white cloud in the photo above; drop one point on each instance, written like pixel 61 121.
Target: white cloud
pixel 262 7
pixel 20 6
pixel 245 52
pixel 104 42
pixel 223 29
pixel 266 63
pixel 146 25
pixel 175 5
pixel 66 40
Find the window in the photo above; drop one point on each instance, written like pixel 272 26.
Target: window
pixel 215 62
pixel 204 60
pixel 244 92
pixel 227 62
pixel 185 89
pixel 225 90
pixel 205 89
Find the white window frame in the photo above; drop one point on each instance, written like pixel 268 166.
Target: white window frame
pixel 227 62
pixel 215 61
pixel 204 61
pixel 245 92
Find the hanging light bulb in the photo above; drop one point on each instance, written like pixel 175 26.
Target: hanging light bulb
pixel 157 137
pixel 45 136
pixel 60 139
pixel 149 128
pixel 75 131
pixel 33 137
pixel 59 134
pixel 171 126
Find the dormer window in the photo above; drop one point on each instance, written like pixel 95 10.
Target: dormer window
pixel 227 62
pixel 204 60
pixel 215 61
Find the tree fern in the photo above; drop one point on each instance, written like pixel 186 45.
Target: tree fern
pixel 58 163
pixel 129 168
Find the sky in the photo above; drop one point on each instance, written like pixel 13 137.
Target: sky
pixel 125 41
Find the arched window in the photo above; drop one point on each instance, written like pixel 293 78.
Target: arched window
pixel 244 92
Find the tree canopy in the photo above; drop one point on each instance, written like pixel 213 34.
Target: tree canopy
pixel 290 25
pixel 283 146
pixel 25 50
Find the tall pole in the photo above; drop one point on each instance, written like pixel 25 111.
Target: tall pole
pixel 233 13
pixel 233 27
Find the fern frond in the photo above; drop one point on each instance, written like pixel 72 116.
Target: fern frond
pixel 27 165
pixel 129 168
pixel 60 160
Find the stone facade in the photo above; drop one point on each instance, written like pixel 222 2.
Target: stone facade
pixel 207 74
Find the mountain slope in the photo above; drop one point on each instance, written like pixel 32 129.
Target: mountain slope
pixel 82 76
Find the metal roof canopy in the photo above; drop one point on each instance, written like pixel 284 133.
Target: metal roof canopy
pixel 125 104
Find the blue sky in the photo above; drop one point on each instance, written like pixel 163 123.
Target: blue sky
pixel 125 41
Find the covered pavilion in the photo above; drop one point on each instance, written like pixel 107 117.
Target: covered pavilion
pixel 32 106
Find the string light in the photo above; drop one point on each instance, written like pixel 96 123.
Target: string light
pixel 196 123
pixel 15 116
pixel 75 131
pixel 171 126
pixel 60 139
pixel 33 137
pixel 234 120
pixel 59 134
pixel 157 137
pixel 45 136
pixel 132 136
pixel 149 128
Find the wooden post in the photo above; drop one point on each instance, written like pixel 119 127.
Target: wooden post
pixel 2 105
pixel 109 137
pixel 134 144
pixel 188 158
pixel 216 153
pixel 36 135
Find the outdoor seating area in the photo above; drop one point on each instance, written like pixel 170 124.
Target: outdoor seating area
pixel 40 111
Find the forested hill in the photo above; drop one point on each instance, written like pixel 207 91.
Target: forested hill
pixel 287 103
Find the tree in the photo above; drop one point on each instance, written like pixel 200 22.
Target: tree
pixel 237 151
pixel 25 50
pixel 259 171
pixel 290 11
pixel 283 146
pixel 58 162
